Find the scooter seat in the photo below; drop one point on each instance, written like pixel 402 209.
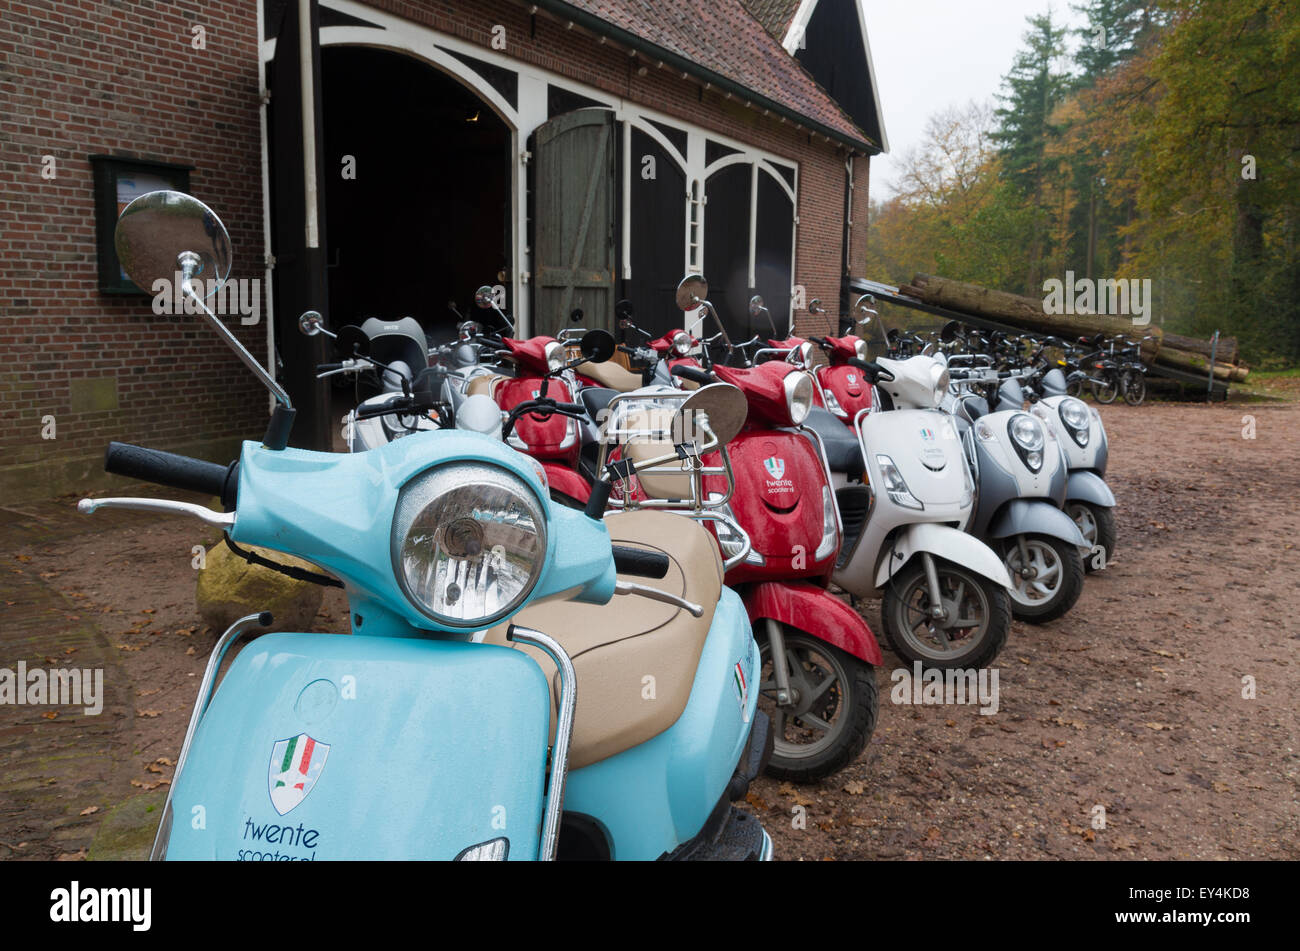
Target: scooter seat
pixel 596 398
pixel 484 383
pixel 843 453
pixel 612 375
pixel 616 646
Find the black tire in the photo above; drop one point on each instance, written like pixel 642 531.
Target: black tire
pixel 984 644
pixel 1101 533
pixel 1074 387
pixel 1134 386
pixel 855 711
pixel 1066 593
pixel 1106 387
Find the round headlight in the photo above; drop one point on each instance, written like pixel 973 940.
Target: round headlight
pixel 682 342
pixel 1074 413
pixel 468 543
pixel 860 348
pixel 555 355
pixel 798 395
pixel 1027 432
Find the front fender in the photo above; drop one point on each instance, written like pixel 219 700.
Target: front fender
pixel 816 611
pixel 1085 486
pixel 1035 517
pixel 566 480
pixel 945 542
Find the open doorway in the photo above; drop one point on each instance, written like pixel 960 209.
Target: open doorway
pixel 427 217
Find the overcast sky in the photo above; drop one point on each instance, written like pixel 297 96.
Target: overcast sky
pixel 929 54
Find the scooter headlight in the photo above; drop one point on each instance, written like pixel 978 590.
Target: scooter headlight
pixel 830 527
pixel 1027 433
pixel 555 355
pixel 468 543
pixel 798 395
pixel 682 343
pixel 939 377
pixel 1074 413
pixel 894 484
pixel 860 349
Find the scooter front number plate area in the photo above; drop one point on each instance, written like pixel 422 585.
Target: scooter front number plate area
pixel 322 746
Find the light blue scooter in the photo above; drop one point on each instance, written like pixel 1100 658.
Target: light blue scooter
pixel 433 731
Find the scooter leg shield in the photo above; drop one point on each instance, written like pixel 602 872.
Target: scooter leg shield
pixel 1035 517
pixel 946 542
pixel 1085 486
pixel 566 480
pixel 653 798
pixel 811 609
pixel 320 746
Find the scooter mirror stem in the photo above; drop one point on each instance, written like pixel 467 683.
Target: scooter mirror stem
pixel 189 262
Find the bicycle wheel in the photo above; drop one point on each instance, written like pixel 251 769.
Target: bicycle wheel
pixel 1135 386
pixel 1106 386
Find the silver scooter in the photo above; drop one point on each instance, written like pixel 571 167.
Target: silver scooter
pixel 1021 475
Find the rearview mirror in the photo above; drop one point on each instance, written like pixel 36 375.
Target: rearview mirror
pixel 483 297
pixel 723 404
pixel 597 345
pixel 692 291
pixel 163 232
pixel 950 331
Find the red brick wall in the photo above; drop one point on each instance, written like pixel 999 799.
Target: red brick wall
pixel 119 78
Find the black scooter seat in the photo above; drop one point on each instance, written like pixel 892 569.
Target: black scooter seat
pixel 843 453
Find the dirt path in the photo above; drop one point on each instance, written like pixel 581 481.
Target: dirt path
pixel 1133 702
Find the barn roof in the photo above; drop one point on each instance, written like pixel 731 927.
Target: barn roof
pixel 723 43
pixel 775 15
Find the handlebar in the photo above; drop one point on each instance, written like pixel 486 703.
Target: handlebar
pixel 638 561
pixel 694 374
pixel 173 471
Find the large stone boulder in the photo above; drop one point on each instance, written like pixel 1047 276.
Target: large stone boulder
pixel 230 588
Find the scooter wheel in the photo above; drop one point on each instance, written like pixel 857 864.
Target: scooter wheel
pixel 1058 583
pixel 833 715
pixel 1098 526
pixel 904 616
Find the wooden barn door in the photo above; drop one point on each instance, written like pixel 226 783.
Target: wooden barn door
pixel 574 207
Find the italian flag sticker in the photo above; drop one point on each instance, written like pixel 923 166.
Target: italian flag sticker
pixel 742 691
pixel 296 764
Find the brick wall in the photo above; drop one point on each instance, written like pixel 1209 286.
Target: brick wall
pixel 121 78
pixel 117 78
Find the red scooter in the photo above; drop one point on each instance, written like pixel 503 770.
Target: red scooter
pixel 842 387
pixel 817 684
pixel 551 438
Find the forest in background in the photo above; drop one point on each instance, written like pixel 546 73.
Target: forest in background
pixel 1160 141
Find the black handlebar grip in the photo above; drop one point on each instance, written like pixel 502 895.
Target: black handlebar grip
pixel 638 561
pixel 171 470
pixel 599 499
pixel 692 373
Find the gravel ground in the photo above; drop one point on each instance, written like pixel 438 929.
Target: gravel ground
pixel 1128 710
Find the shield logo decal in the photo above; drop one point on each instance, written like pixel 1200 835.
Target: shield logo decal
pixel 927 435
pixel 775 467
pixel 296 764
pixel 853 377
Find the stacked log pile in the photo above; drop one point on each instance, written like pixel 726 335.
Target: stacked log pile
pixel 1176 351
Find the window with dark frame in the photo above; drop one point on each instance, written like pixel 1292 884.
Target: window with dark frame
pixel 118 181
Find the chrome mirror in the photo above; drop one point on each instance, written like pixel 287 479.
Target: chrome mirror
pixel 756 306
pixel 163 233
pixel 692 292
pixel 483 298
pixel 722 405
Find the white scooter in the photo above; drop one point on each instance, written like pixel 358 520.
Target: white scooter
pixel 944 592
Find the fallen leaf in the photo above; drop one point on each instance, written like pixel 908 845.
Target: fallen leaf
pixel 1158 726
pixel 854 788
pixel 52 715
pixel 89 810
pixel 148 713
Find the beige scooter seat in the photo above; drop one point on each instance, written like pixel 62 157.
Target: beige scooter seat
pixel 484 384
pixel 612 375
pixel 657 485
pixel 616 646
